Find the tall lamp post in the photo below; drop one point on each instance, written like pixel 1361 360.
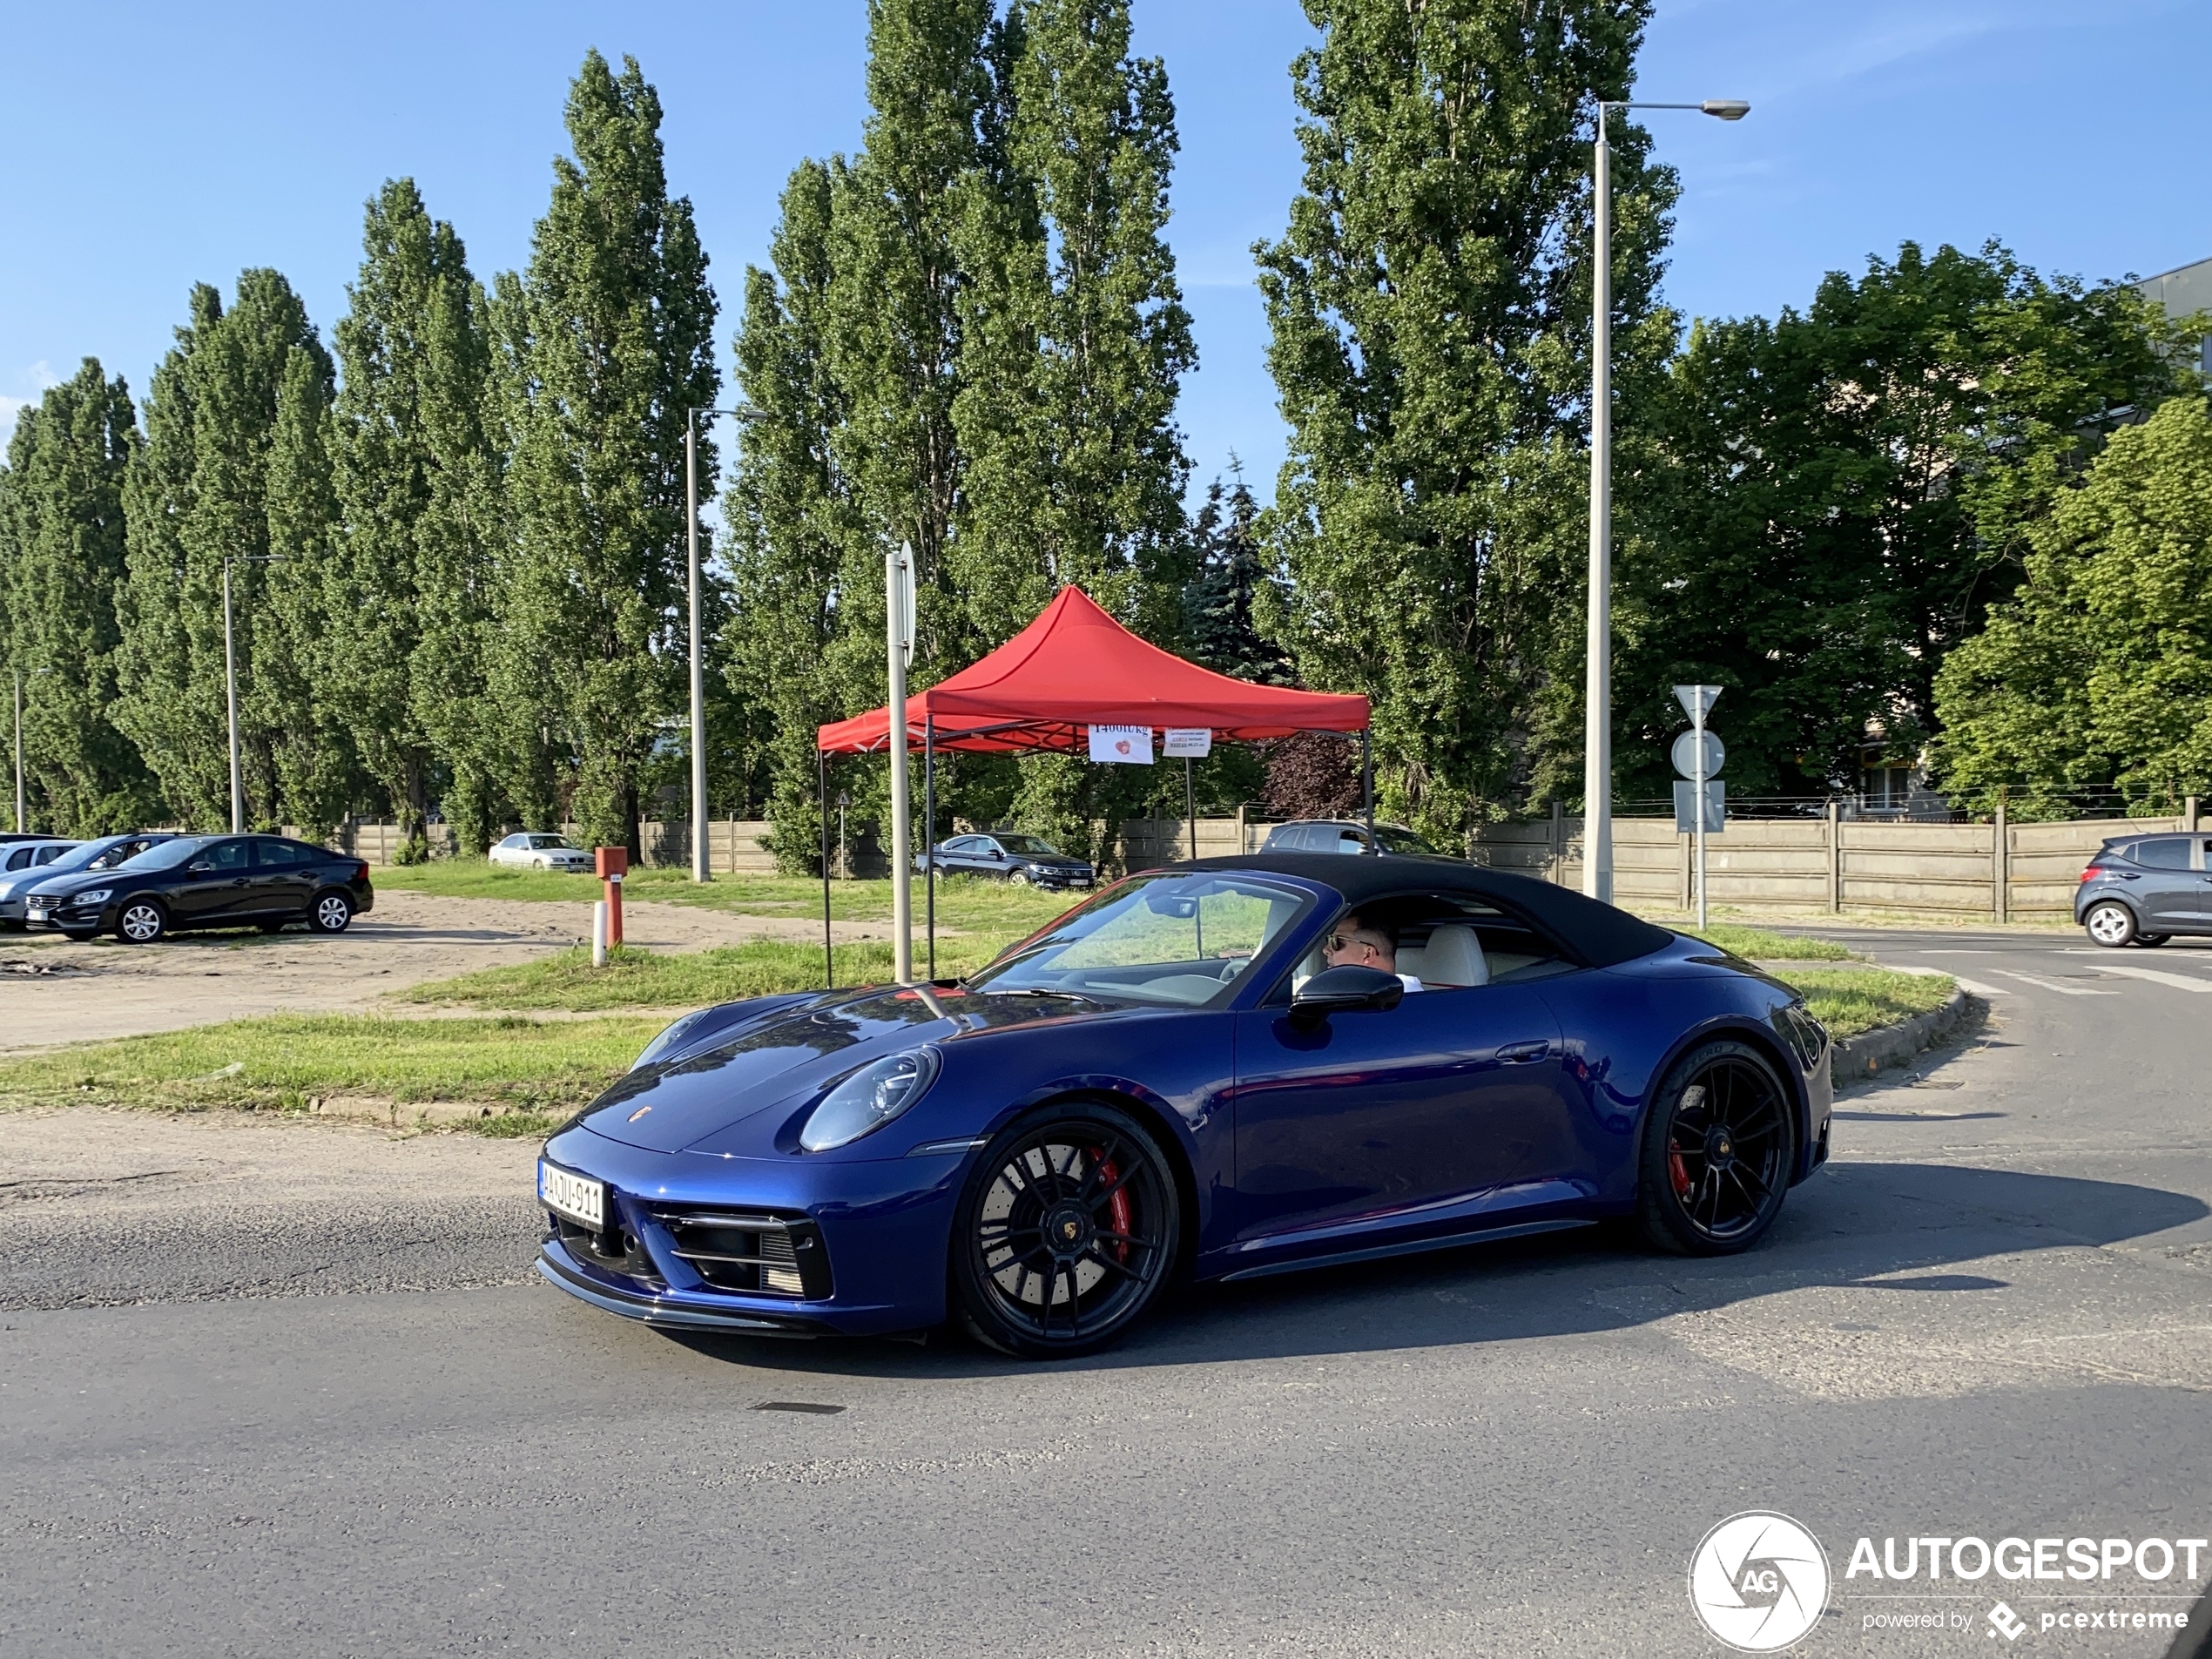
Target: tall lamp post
pixel 1597 732
pixel 19 790
pixel 699 870
pixel 230 680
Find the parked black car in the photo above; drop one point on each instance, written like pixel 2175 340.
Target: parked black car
pixel 1342 835
pixel 2144 890
pixel 1019 859
pixel 196 881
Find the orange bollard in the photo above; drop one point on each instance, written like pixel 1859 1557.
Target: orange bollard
pixel 612 863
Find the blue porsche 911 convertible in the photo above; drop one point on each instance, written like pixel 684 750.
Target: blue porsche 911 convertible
pixel 1184 1075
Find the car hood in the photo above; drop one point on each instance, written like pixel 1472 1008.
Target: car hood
pixel 71 881
pixel 795 1051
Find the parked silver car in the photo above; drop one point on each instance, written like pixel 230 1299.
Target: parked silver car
pixel 22 862
pixel 534 850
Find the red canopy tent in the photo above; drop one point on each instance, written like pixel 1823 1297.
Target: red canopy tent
pixel 1073 668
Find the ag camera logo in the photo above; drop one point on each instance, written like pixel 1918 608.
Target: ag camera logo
pixel 1759 1582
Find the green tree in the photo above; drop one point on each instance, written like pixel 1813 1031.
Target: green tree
pixel 1429 306
pixel 198 492
pixel 604 346
pixel 1828 503
pixel 62 558
pixel 410 596
pixel 2098 672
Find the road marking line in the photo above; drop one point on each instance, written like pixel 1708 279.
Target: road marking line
pixel 2178 980
pixel 1975 988
pixel 2046 985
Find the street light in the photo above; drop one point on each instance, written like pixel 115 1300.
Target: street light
pixel 1597 734
pixel 699 871
pixel 19 793
pixel 230 679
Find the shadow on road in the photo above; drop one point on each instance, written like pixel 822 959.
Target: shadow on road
pixel 1857 1224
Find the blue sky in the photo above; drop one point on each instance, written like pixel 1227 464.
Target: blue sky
pixel 150 146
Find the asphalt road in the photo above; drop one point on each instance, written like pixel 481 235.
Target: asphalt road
pixel 1991 1317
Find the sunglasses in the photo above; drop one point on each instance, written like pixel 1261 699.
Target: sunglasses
pixel 1340 942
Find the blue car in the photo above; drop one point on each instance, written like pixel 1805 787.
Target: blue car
pixel 1219 1071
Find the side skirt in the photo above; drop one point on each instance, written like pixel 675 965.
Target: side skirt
pixel 1409 1247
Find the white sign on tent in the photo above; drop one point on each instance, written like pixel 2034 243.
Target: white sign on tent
pixel 1188 743
pixel 1121 746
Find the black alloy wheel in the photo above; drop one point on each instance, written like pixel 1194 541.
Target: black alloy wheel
pixel 1718 1149
pixel 141 921
pixel 1066 1233
pixel 331 914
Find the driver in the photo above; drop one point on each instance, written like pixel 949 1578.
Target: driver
pixel 1358 943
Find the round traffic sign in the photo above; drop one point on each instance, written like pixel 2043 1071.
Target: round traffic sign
pixel 1686 755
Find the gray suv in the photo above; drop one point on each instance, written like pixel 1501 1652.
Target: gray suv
pixel 2144 889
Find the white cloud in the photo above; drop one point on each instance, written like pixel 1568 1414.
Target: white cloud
pixel 39 376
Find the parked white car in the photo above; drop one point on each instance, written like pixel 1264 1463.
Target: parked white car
pixel 535 852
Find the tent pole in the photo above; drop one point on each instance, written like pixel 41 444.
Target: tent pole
pixel 821 787
pixel 1367 783
pixel 1190 806
pixel 929 830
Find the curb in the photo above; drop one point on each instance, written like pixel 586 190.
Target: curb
pixel 1861 1056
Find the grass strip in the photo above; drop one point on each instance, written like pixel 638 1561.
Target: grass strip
pixel 636 978
pixel 1759 945
pixel 1850 1000
pixel 529 1071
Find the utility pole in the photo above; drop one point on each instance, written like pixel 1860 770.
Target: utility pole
pixel 19 791
pixel 230 697
pixel 699 870
pixel 1597 689
pixel 898 588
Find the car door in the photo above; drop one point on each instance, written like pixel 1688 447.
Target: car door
pixel 991 859
pixel 2169 896
pixel 217 885
pixel 957 856
pixel 1425 1113
pixel 284 878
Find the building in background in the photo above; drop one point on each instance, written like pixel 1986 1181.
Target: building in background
pixel 2182 293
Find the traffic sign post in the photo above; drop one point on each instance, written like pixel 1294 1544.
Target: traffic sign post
pixel 1703 753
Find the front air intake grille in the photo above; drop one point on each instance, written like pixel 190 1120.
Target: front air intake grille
pixel 745 1251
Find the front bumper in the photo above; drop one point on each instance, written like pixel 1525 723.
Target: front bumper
pixel 883 1225
pixel 75 918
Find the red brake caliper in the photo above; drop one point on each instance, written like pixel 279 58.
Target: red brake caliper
pixel 1117 1209
pixel 1681 1175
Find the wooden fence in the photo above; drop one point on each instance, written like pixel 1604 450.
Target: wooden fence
pixel 1795 866
pixel 1841 865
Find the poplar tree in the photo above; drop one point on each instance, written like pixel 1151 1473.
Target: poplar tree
pixel 419 482
pixel 604 347
pixel 198 491
pixel 62 558
pixel 1429 305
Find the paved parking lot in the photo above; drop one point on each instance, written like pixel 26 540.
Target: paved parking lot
pixel 271 1395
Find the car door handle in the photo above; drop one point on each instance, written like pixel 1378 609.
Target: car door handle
pixel 1520 1054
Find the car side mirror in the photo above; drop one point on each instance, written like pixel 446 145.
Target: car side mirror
pixel 201 867
pixel 1348 990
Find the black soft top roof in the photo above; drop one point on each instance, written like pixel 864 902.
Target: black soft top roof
pixel 1598 933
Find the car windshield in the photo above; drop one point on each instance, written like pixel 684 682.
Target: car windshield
pixel 1180 940
pixel 540 843
pixel 1400 841
pixel 170 855
pixel 1029 846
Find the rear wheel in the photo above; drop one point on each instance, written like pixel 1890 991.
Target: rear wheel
pixel 1066 1234
pixel 1018 878
pixel 1718 1148
pixel 331 914
pixel 141 921
pixel 2152 941
pixel 2110 924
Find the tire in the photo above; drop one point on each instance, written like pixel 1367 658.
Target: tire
pixel 1017 877
pixel 2152 941
pixel 1087 1177
pixel 332 912
pixel 1719 1146
pixel 537 864
pixel 2111 924
pixel 141 921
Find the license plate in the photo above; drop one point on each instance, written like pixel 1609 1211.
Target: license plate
pixel 578 1197
pixel 37 912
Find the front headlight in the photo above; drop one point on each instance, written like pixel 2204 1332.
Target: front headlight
pixel 97 895
pixel 868 1099
pixel 669 1038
